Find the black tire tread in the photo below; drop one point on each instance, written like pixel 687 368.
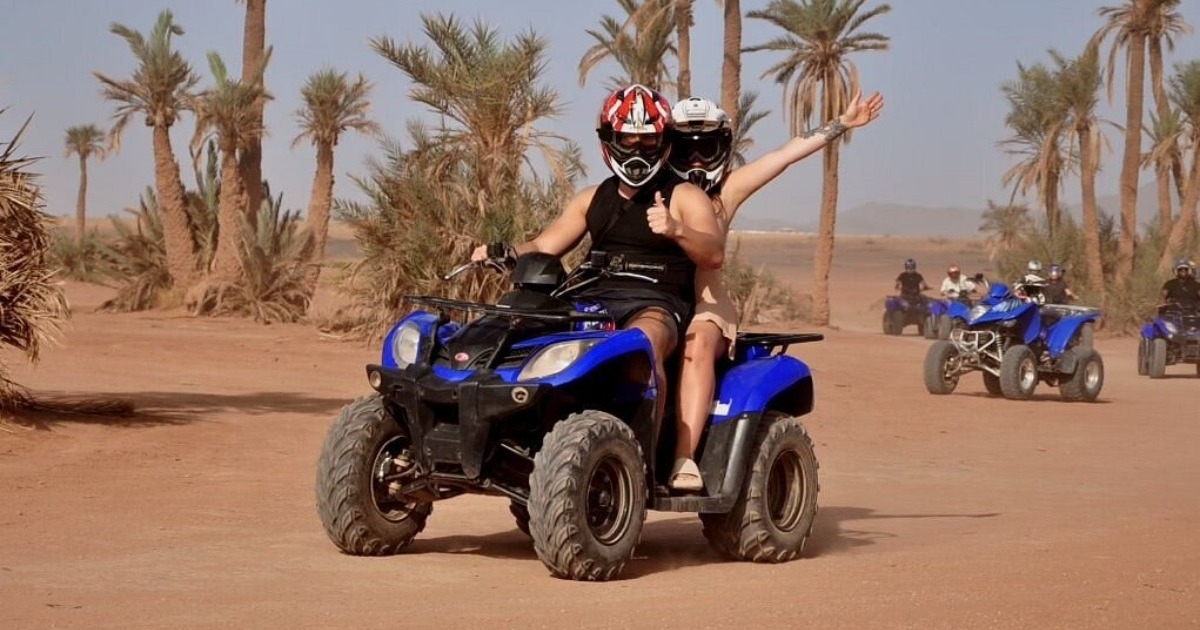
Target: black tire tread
pixel 743 533
pixel 341 504
pixel 557 472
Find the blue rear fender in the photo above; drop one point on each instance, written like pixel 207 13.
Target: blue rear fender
pixel 958 310
pixel 937 308
pixel 1150 331
pixel 1059 336
pixel 783 382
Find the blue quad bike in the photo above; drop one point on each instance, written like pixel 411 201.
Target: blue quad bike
pixel 538 399
pixel 900 312
pixel 947 314
pixel 1172 337
pixel 1016 344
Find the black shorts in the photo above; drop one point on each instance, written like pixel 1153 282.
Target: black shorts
pixel 623 304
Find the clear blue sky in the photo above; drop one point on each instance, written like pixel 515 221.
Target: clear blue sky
pixel 934 146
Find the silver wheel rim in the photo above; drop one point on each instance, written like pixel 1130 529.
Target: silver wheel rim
pixel 1028 375
pixel 1091 376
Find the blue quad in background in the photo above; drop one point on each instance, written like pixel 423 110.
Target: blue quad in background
pixel 946 315
pixel 1017 344
pixel 1172 337
pixel 900 312
pixel 539 399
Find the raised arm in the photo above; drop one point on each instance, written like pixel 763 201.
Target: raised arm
pixel 745 181
pixel 696 229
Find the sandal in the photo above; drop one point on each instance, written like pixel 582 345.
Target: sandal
pixel 685 476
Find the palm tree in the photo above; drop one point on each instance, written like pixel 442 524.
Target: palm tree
pixel 1165 134
pixel 1185 92
pixel 731 64
pixel 642 54
pixel 84 141
pixel 228 110
pixel 158 90
pixel 684 20
pixel 333 105
pixel 32 307
pixel 1004 226
pixel 742 141
pixel 1131 25
pixel 1164 24
pixel 1078 83
pixel 1038 119
pixel 818 79
pixel 254 48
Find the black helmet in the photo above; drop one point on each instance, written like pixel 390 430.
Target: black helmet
pixel 910 265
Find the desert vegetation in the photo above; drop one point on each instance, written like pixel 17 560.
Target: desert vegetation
pixel 482 167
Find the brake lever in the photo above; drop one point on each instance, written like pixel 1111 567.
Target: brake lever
pixel 459 269
pixel 636 276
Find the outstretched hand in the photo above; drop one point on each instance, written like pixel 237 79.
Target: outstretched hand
pixel 660 219
pixel 860 112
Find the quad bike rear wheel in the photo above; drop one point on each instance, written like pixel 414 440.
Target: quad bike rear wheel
pixel 1018 373
pixel 774 512
pixel 929 329
pixel 941 368
pixel 895 321
pixel 520 515
pixel 991 383
pixel 365 454
pixel 587 497
pixel 1085 384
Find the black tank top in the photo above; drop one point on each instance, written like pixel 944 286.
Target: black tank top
pixel 629 234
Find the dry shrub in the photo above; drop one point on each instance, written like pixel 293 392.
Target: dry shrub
pixel 758 296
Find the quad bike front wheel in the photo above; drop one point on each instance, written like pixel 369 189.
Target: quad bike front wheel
pixel 929 329
pixel 1156 358
pixel 1018 373
pixel 945 327
pixel 365 456
pixel 1143 363
pixel 896 321
pixel 1085 384
pixel 587 497
pixel 774 512
pixel 941 368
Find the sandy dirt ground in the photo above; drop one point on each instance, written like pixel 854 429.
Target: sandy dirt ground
pixel 956 511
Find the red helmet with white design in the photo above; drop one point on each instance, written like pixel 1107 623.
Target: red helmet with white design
pixel 633 126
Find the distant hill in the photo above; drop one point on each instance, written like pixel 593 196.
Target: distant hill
pixel 876 218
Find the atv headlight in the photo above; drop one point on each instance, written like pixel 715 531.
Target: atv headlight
pixel 555 358
pixel 1171 327
pixel 977 311
pixel 405 344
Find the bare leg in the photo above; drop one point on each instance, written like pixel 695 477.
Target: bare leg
pixel 703 345
pixel 660 327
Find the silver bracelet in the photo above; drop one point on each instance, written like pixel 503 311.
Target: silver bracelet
pixel 831 130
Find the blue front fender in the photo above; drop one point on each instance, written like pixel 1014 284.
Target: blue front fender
pixel 615 345
pixel 750 387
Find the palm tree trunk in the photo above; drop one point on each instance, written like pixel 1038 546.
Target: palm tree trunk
pixel 81 201
pixel 823 257
pixel 1186 220
pixel 1131 160
pixel 683 33
pixel 1053 212
pixel 254 41
pixel 731 67
pixel 1091 220
pixel 1163 110
pixel 177 230
pixel 318 214
pixel 227 262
